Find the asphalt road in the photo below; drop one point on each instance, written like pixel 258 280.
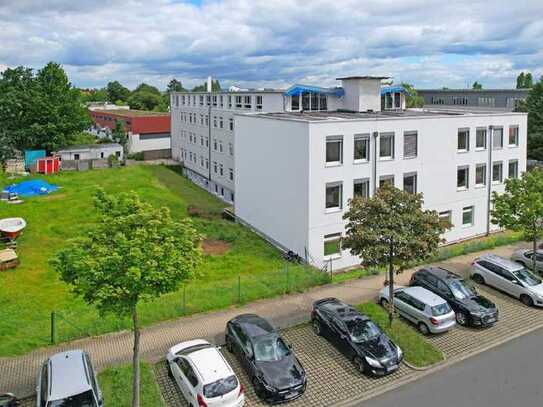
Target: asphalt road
pixel 506 376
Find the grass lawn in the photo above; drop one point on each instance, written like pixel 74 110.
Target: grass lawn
pixel 416 349
pixel 31 292
pixel 116 385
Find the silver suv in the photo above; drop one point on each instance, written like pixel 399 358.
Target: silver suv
pixel 68 379
pixel 429 312
pixel 508 276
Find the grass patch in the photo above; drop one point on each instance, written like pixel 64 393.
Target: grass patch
pixel 477 245
pixel 116 385
pixel 417 351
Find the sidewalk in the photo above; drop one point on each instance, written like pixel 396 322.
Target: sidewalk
pixel 18 374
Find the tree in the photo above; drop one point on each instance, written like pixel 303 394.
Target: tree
pixel 477 85
pixel 134 253
pixel 524 80
pixel 215 87
pixel 520 207
pixel 391 228
pixel 534 106
pixel 145 97
pixel 520 80
pixel 119 136
pixel 94 95
pixel 175 86
pixel 7 149
pixel 116 91
pixel 412 99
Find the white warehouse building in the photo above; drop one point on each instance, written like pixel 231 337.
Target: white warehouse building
pixel 298 160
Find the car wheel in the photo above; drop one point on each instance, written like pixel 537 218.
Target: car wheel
pixel 384 303
pixel 170 374
pixel 461 318
pixel 317 327
pixel 527 300
pixel 359 363
pixel 478 279
pixel 229 345
pixel 259 390
pixel 423 328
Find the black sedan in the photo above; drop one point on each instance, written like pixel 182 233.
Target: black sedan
pixel 276 373
pixel 471 308
pixel 356 336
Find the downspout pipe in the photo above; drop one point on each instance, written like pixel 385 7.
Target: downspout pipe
pixel 489 178
pixel 374 167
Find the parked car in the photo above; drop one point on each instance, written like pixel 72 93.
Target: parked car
pixel 275 372
pixel 68 379
pixel 356 336
pixel 204 376
pixel 509 277
pixel 470 307
pixel 8 400
pixel 428 311
pixel 526 258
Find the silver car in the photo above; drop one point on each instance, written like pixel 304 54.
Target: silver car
pixel 68 379
pixel 429 312
pixel 526 258
pixel 510 277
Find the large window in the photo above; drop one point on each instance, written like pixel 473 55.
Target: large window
pixel 497 172
pixel 467 216
pixel 480 175
pixel 445 219
pixel 334 195
pixel 386 145
pixel 332 244
pixel 410 182
pixel 462 177
pixel 410 144
pixel 361 188
pixel 513 169
pixel 463 140
pixel 386 179
pixel 295 103
pixel 497 138
pixel 480 138
pixel 259 103
pixel 361 147
pixel 334 150
pixel 513 136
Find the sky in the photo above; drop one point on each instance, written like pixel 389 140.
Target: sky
pixel 275 43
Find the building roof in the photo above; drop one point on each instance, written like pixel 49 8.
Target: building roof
pixel 475 90
pixel 362 77
pixel 392 89
pixel 97 146
pixel 232 92
pixel 131 113
pixel 298 89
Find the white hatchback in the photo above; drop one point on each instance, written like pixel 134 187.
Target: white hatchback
pixel 204 376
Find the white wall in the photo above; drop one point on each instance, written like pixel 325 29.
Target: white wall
pixel 91 153
pixel 362 94
pixel 137 144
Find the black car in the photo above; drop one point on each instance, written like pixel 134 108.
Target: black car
pixel 471 308
pixel 276 373
pixel 356 336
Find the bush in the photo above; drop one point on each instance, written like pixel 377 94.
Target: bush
pixel 113 160
pixel 198 212
pixel 136 156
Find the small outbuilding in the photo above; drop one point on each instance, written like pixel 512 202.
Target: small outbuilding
pixel 91 152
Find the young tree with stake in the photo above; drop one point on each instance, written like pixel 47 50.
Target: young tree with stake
pixel 135 253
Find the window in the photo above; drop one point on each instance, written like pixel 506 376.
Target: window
pixel 334 192
pixel 215 121
pixel 497 172
pixel 207 142
pixel 221 101
pixel 229 101
pixel 295 103
pixel 462 178
pixel 361 188
pixel 76 157
pixel 480 175
pixel 361 148
pixel 247 102
pixel 487 101
pixel 332 244
pixel 334 150
pixel 513 135
pixel 214 100
pixel 176 101
pixel 323 103
pixel 220 147
pixel 445 219
pixel 102 155
pixel 467 216
pixel 215 166
pixel 207 163
pixel 463 140
pixel 201 140
pixel 231 148
pixel 238 101
pixel 513 169
pixel 215 144
pixel 187 371
pixel 386 179
pixel 231 172
pixel 497 138
pixel 410 183
pixel 221 125
pixel 259 103
pixel 410 144
pixel 386 145
pixel 201 97
pixel 201 120
pixel 221 170
pixel 231 124
pixel 480 138
pixel 202 160
pixel 207 120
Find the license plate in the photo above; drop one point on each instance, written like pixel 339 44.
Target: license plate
pixel 490 320
pixel 391 368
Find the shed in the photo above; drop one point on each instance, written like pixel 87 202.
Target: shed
pixel 91 151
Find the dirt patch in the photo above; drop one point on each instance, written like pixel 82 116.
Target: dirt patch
pixel 215 247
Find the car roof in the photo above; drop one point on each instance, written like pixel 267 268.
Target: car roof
pixel 254 325
pixel 67 374
pixel 343 311
pixel 424 295
pixel 210 364
pixel 441 273
pixel 500 261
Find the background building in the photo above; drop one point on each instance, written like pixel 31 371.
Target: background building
pixel 503 99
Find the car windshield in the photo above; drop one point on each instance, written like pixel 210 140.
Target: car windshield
pixel 220 387
pixel 526 277
pixel 461 290
pixel 85 399
pixel 362 330
pixel 441 309
pixel 270 349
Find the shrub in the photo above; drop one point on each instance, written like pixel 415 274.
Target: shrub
pixel 136 156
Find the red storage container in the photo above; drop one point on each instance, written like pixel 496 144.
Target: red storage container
pixel 48 165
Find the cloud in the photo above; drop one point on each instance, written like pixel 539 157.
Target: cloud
pixel 275 43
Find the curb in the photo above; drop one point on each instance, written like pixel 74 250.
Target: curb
pixel 425 368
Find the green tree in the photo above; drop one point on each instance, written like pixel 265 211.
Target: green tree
pixel 145 97
pixel 525 80
pixel 175 86
pixel 119 136
pixel 477 85
pixel 520 207
pixel 135 253
pixel 391 229
pixel 7 149
pixel 215 87
pixel 533 105
pixel 520 80
pixel 116 91
pixel 93 95
pixel 412 99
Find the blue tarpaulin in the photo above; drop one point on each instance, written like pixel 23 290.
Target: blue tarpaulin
pixel 31 188
pixel 392 89
pixel 296 90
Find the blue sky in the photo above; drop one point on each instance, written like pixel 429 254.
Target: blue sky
pixel 275 43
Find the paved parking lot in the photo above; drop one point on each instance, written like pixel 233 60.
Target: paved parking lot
pixel 333 379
